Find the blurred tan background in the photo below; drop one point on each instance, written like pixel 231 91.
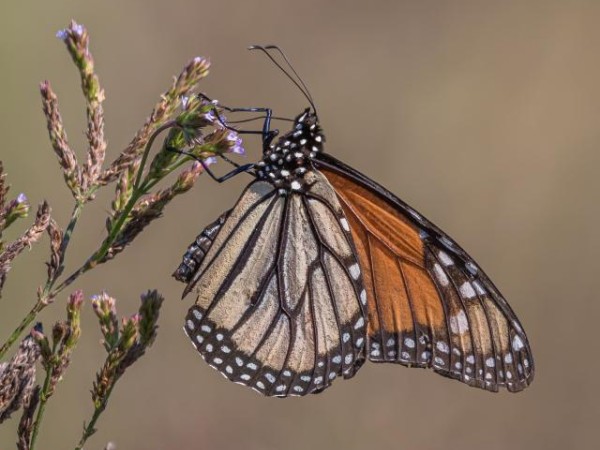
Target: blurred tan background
pixel 484 115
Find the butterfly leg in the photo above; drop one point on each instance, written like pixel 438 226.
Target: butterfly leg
pixel 239 169
pixel 266 132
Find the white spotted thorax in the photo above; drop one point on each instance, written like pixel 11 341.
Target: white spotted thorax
pixel 286 162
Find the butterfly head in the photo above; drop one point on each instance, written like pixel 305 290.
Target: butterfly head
pixel 286 161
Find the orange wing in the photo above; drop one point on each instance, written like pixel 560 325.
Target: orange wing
pixel 429 305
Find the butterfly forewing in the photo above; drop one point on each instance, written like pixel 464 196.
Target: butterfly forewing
pixel 279 292
pixel 429 305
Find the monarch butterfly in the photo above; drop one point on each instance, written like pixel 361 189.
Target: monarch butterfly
pixel 317 268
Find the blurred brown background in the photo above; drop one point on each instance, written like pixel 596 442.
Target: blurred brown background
pixel 483 115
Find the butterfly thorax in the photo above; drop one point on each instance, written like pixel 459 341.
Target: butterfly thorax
pixel 285 163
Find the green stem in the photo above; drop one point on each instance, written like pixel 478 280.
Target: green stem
pixel 45 295
pixel 25 323
pixel 123 215
pixel 90 429
pixel 40 412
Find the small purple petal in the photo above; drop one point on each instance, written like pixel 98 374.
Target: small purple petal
pixel 22 198
pixel 238 149
pixel 210 160
pixel 185 100
pixel 78 29
pixel 62 34
pixel 209 116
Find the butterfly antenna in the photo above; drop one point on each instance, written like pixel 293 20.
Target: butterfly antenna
pixel 287 60
pixel 274 61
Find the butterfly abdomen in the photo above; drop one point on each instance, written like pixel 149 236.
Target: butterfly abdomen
pixel 197 250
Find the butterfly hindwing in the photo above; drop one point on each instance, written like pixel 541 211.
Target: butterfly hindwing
pixel 279 292
pixel 429 305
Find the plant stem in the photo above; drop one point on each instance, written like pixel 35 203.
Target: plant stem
pixel 40 412
pixel 123 215
pixel 25 323
pixel 46 295
pixel 90 429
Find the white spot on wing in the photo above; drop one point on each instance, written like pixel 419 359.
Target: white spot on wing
pixel 459 323
pixel 197 314
pixel 443 347
pixel 490 362
pixel 359 323
pixel 445 259
pixel 517 343
pixel 344 224
pixel 440 275
pixel 410 343
pixel 467 291
pixel 363 297
pixel 478 287
pixel 190 324
pixel 270 377
pixel 354 271
pixel 508 358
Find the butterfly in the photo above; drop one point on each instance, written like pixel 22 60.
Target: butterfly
pixel 317 268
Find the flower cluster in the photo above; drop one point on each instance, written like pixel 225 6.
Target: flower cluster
pixel 195 134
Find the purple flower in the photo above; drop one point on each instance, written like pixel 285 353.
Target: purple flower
pixel 77 29
pixel 22 198
pixel 210 160
pixel 62 34
pixel 235 143
pixel 185 101
pixel 209 116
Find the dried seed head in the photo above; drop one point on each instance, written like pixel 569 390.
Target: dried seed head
pixel 105 308
pixel 17 378
pixel 192 73
pixel 59 141
pixel 55 265
pixel 32 235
